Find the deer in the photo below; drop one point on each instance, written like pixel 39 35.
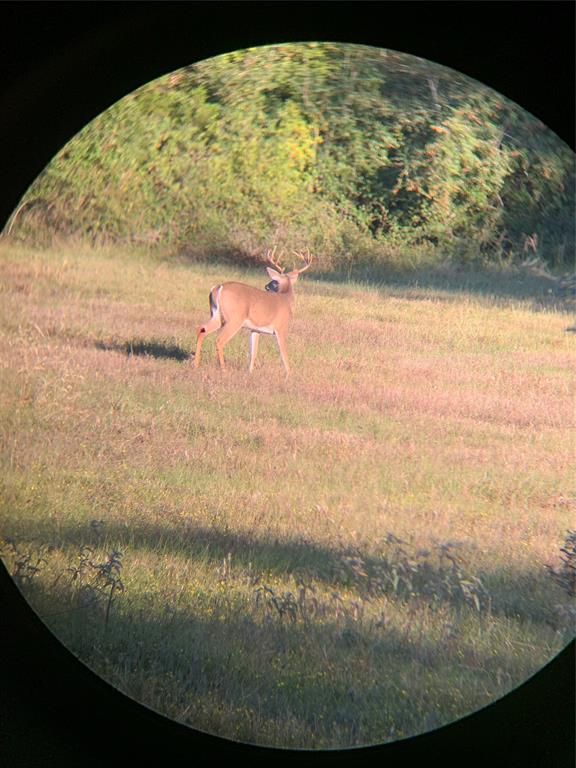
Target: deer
pixel 234 306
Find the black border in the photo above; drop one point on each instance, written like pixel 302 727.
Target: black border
pixel 63 63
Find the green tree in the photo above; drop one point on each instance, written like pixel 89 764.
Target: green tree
pixel 343 148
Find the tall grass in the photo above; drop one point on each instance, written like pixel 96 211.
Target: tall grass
pixel 352 556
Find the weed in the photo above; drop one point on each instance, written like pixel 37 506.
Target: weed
pixel 25 563
pixel 93 584
pixel 565 574
pixel 565 577
pixel 97 582
pixel 436 573
pixel 284 604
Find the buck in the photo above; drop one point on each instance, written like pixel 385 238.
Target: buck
pixel 235 305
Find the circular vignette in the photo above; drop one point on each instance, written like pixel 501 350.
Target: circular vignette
pixel 444 571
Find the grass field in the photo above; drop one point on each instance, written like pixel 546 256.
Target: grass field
pixel 351 556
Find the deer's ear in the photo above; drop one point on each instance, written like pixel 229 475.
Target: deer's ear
pixel 273 274
pixel 293 276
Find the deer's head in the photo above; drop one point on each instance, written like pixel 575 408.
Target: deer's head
pixel 281 281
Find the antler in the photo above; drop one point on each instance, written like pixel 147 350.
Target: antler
pixel 271 259
pixel 306 259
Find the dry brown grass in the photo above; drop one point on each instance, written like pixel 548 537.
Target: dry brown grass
pixel 433 414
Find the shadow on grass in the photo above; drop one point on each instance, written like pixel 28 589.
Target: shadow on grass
pixel 219 672
pixel 522 282
pixel 543 290
pixel 266 555
pixel 519 595
pixel 231 674
pixel 144 348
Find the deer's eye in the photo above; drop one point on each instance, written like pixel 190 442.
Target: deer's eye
pixel 273 285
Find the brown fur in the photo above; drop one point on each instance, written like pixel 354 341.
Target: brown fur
pixel 236 305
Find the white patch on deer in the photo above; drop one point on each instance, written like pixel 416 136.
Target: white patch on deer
pixel 256 328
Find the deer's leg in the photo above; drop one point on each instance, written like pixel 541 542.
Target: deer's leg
pixel 228 332
pixel 280 338
pixel 254 339
pixel 212 325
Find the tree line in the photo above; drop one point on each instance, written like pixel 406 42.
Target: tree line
pixel 360 154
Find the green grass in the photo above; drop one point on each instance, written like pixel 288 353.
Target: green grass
pixel 263 599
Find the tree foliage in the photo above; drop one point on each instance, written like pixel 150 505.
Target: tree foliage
pixel 343 148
